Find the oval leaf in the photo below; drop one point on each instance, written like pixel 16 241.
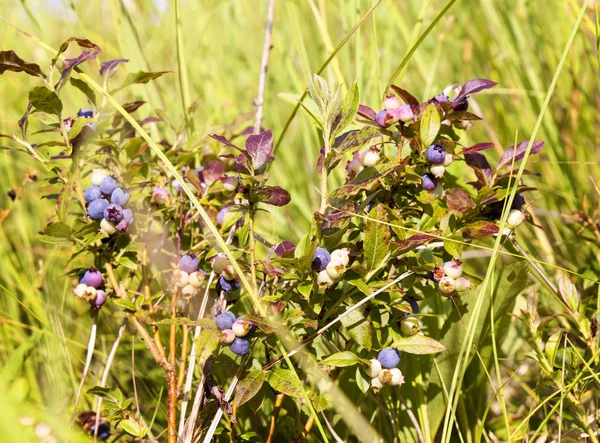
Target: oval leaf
pixel 249 387
pixel 430 125
pixel 419 344
pixel 341 359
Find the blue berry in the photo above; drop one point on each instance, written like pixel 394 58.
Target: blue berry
pixel 92 193
pixel 188 263
pixel 127 216
pixel 413 304
pixel 221 215
pixel 224 320
pixel 119 197
pixel 99 300
pixel 86 113
pixel 227 285
pixel 321 259
pixel 429 182
pixel 518 202
pixel 92 277
pixel 389 358
pixel 113 213
pixel 240 346
pixel 461 105
pixel 96 208
pixel 108 185
pixel 435 154
pixel 103 431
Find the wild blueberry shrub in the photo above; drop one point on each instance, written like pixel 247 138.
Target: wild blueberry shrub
pixel 392 235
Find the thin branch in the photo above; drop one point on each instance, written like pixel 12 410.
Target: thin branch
pixel 260 100
pixel 88 359
pixel 278 402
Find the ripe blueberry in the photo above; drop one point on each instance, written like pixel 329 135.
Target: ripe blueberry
pixel 92 193
pixel 119 197
pixel 113 213
pixel 96 208
pixel 127 216
pixel 221 215
pixel 413 305
pixel 435 154
pixel 321 259
pixel 188 263
pixel 240 346
pixel 227 285
pixel 518 202
pixel 92 277
pixel 103 431
pixel 108 185
pixel 224 320
pixel 85 113
pixel 389 358
pixel 99 300
pixel 428 182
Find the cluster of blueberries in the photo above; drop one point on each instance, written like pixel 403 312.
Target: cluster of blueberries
pixel 227 278
pixel 88 288
pixel 449 277
pixel 330 266
pixel 106 201
pixel 384 370
pixel 234 332
pixel 189 278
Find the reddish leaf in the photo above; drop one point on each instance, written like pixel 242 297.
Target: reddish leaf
pixel 412 242
pixel 405 95
pixel 366 112
pixel 479 229
pixel 224 141
pixel 473 86
pixel 108 68
pixel 212 172
pixel 453 116
pixel 274 195
pixel 285 249
pixel 458 200
pixel 151 120
pixel 133 106
pixel 10 61
pixel 518 152
pixel 478 147
pixel 260 148
pixel 90 52
pixel 483 170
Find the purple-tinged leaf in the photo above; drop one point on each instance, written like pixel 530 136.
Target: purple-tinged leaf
pixel 458 200
pixel 479 229
pixel 110 67
pixel 285 249
pixel 366 112
pixel 225 142
pixel 24 122
pixel 405 95
pixel 355 139
pixel 473 86
pixel 260 148
pixel 412 242
pixel 517 153
pixel 150 119
pixel 514 172
pixel 478 147
pixel 82 42
pixel 212 172
pixel 90 52
pixel 10 61
pixel 462 116
pixel 273 195
pixel 481 167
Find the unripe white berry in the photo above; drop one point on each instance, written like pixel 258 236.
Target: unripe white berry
pixel 385 377
pixel 335 270
pixel 369 157
pixel 446 285
pixel 374 368
pixel 397 377
pixel 188 291
pixel 229 272
pixel 515 218
pixel 354 166
pixel 438 191
pixel 107 227
pixel 241 328
pixel 376 384
pixel 453 268
pixel 462 284
pixel 196 279
pixel 324 280
pixel 181 278
pixel 79 290
pixel 227 336
pixel 219 263
pixel 391 102
pixel 341 256
pixel 231 183
pixel 90 293
pixel 448 160
pixel 97 176
pixel 437 170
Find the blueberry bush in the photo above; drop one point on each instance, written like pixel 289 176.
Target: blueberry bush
pixel 369 326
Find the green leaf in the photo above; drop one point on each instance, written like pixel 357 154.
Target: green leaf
pixel 78 126
pixel 454 248
pixel 141 77
pixel 286 382
pixel 377 238
pixel 45 100
pixel 430 125
pixel 249 386
pixel 419 344
pixel 207 343
pixel 127 262
pixel 83 87
pixel 348 110
pixel 125 303
pixel 568 291
pixel 132 427
pixel 341 359
pixel 58 229
pixel 135 147
pixel 361 381
pixel 99 391
pixel 358 328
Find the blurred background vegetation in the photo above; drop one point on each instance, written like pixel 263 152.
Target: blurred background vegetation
pixel 517 43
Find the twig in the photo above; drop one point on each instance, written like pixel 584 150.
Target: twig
pixel 278 402
pixel 337 319
pixel 160 359
pixel 414 420
pixel 307 427
pixel 172 374
pixel 260 100
pixel 106 372
pixel 336 437
pixel 88 359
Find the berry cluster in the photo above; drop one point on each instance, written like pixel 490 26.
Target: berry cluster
pixel 330 267
pixel 449 278
pixel 106 201
pixel 383 369
pixel 88 288
pixel 234 332
pixel 188 277
pixel 227 278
